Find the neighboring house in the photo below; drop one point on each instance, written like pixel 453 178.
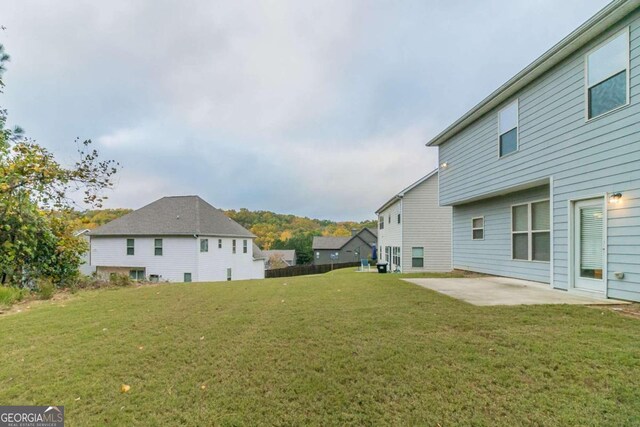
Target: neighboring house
pixel 176 239
pixel 287 257
pixel 85 266
pixel 544 174
pixel 336 250
pixel 414 232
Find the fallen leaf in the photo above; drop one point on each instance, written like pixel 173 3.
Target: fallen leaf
pixel 282 301
pixel 202 338
pixel 124 388
pixel 141 348
pixel 76 399
pixel 202 387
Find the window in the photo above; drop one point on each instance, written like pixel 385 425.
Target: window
pixel 233 246
pixel 417 257
pixel 187 277
pixel 398 218
pixel 157 247
pixel 477 228
pixel 608 76
pixel 317 255
pixel 131 246
pixel 531 231
pixel 204 245
pixel 228 274
pixel 381 222
pixel 245 247
pixel 219 243
pixel 136 274
pixel 387 254
pixel 508 128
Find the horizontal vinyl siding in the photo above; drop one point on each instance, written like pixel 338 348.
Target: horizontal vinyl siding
pixel 179 256
pixel 426 225
pixel 214 263
pixel 493 254
pixel 582 158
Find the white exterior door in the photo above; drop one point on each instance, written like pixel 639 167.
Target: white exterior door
pixel 589 245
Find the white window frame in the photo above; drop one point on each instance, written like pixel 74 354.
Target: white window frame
pixel 204 245
pixel 245 247
pixel 529 232
pixel 477 228
pixel 412 257
pixel 586 75
pixel 219 243
pixel 132 247
pixel 381 222
pixel 156 247
pixel 507 105
pixel 233 246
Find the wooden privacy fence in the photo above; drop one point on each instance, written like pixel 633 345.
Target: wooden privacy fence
pixel 302 270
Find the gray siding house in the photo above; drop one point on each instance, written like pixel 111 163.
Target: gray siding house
pixel 327 250
pixel 414 232
pixel 544 174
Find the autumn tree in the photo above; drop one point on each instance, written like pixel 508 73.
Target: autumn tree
pixel 36 192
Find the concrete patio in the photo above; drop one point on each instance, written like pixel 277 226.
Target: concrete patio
pixel 506 291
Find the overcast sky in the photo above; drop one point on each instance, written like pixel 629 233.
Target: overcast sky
pixel 316 108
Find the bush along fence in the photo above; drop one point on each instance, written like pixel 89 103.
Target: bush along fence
pixel 302 270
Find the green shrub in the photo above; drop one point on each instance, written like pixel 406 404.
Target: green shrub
pixel 120 280
pixel 46 289
pixel 10 295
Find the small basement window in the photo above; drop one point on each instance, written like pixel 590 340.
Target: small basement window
pixel 608 75
pixel 187 277
pixel 477 228
pixel 508 129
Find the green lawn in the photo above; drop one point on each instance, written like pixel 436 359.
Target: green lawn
pixel 343 348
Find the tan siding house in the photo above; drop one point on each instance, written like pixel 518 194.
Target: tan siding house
pixel 414 232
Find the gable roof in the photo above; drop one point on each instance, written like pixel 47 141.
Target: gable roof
pixel 331 242
pixel 174 216
pixel 401 194
pixel 287 254
pixel 597 24
pixel 258 253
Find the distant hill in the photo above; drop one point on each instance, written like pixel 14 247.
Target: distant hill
pixel 274 231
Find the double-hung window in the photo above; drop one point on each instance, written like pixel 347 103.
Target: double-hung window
pixel 417 257
pixel 477 228
pixel 219 243
pixel 608 75
pixel 508 129
pixel 245 247
pixel 204 245
pixel 157 247
pixel 531 231
pixel 398 218
pixel 233 246
pixel 381 222
pixel 131 246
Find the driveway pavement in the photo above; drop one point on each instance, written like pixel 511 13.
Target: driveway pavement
pixel 505 291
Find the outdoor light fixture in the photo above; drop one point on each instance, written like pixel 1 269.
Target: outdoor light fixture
pixel 444 165
pixel 615 197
